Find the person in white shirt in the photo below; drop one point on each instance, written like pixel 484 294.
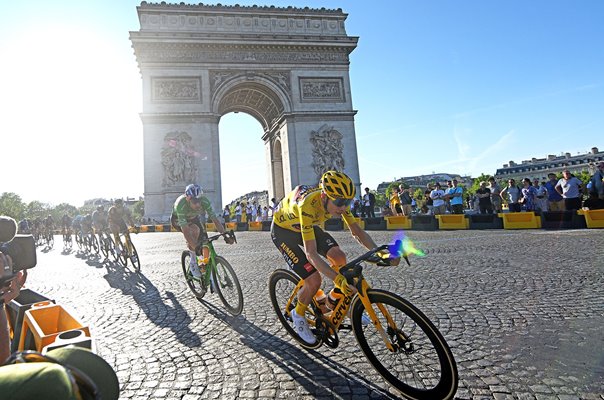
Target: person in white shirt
pixel 438 200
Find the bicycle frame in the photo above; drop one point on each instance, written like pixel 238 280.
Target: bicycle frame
pixel 353 273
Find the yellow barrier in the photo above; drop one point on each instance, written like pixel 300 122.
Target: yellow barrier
pixel 359 221
pixel 520 220
pixel 395 222
pixel 231 226
pixel 211 227
pixel 254 226
pixel 46 322
pixel 593 218
pixel 452 221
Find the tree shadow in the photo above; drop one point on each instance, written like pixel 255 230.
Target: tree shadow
pixel 309 368
pixel 146 296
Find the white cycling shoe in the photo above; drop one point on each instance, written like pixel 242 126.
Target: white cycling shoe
pixel 302 329
pixel 195 271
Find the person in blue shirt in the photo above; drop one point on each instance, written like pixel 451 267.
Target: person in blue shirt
pixel 555 201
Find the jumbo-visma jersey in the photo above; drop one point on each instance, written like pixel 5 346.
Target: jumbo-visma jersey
pixel 302 209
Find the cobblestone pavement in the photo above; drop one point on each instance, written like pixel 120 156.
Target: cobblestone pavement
pixel 523 312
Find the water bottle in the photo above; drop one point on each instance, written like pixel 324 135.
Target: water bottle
pixel 334 297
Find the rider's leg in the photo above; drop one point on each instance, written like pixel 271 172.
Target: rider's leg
pixel 311 285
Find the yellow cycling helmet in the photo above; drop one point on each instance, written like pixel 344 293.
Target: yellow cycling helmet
pixel 337 185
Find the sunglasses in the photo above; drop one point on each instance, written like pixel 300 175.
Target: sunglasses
pixel 341 202
pixel 84 387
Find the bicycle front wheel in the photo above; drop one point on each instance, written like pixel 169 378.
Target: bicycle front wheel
pixel 419 362
pixel 281 287
pixel 94 243
pixel 136 262
pixel 197 286
pixel 227 285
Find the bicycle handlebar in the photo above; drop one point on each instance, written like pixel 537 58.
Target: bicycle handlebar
pixel 228 234
pixel 354 268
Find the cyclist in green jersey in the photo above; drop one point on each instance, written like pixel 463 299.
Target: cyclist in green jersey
pixel 185 218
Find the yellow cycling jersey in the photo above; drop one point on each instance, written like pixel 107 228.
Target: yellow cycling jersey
pixel 302 209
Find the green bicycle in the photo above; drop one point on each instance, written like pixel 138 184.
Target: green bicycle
pixel 401 343
pixel 217 274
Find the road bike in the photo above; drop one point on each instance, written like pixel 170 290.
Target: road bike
pixel 79 239
pixel 401 343
pixel 48 238
pixel 217 274
pixel 67 240
pixel 91 243
pixel 107 245
pixel 126 250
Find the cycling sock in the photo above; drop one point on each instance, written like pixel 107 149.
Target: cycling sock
pixel 301 308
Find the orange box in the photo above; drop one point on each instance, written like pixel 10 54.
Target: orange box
pixel 520 220
pixel 395 222
pixel 593 218
pixel 452 221
pixel 46 322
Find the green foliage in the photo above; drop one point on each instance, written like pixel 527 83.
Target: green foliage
pixel 37 209
pixel 11 205
pixel 476 184
pixel 418 195
pixel 380 199
pixel 138 210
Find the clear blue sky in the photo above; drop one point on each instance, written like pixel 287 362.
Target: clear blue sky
pixel 440 86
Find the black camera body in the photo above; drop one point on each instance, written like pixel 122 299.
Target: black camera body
pixel 22 250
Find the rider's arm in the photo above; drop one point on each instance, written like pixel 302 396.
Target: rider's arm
pixel 361 236
pixel 310 247
pixel 219 226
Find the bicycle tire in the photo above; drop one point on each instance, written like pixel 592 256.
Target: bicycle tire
pixel 428 370
pixel 227 286
pixel 198 288
pixel 94 243
pixel 103 245
pixel 79 242
pixel 134 259
pixel 123 254
pixel 281 284
pixel 51 240
pixel 86 241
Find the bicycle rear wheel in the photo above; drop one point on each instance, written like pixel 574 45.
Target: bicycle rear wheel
pixel 94 243
pixel 103 245
pixel 197 286
pixel 227 285
pixel 281 285
pixel 421 364
pixel 122 253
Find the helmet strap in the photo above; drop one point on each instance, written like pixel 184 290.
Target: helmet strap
pixel 324 199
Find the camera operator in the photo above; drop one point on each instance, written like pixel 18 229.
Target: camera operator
pixel 10 283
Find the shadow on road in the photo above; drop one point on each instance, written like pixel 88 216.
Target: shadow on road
pixel 310 369
pixel 146 295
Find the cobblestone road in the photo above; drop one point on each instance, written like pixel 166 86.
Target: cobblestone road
pixel 523 312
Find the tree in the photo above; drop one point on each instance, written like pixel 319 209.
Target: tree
pixel 11 205
pixel 64 208
pixel 138 210
pixel 37 209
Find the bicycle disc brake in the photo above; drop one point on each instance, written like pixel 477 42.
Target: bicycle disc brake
pixel 400 341
pixel 327 332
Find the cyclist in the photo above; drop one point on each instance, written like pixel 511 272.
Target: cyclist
pixel 86 226
pixel 296 233
pixel 49 224
pixel 117 217
pixel 188 207
pixel 99 219
pixel 66 224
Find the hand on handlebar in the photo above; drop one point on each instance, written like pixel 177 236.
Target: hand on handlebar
pixel 341 283
pixel 229 239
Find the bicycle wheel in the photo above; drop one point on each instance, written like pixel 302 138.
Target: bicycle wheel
pixel 51 240
pixel 86 241
pixel 227 285
pixel 94 243
pixel 122 253
pixel 136 262
pixel 281 285
pixel 421 365
pixel 198 287
pixel 79 241
pixel 103 245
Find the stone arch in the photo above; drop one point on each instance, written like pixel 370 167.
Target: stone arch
pixel 286 67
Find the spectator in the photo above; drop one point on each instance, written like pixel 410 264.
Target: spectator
pixel 405 198
pixel 597 180
pixel 424 210
pixel 428 200
pixel 265 213
pixel 495 195
pixel 368 204
pixel 253 212
pixel 512 194
pixel 413 205
pixel 540 196
pixel 248 212
pixel 226 214
pixel 570 189
pixel 438 200
pixel 555 202
pixel 455 196
pixel 484 199
pixel 386 211
pixel 447 199
pixel 594 202
pixel 272 207
pixel 238 212
pixel 395 202
pixel 529 194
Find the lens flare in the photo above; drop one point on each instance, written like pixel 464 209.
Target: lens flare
pixel 404 246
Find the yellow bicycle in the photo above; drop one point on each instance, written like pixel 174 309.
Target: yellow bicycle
pixel 401 343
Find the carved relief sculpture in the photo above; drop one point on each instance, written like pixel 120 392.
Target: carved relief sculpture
pixel 327 151
pixel 176 89
pixel 178 159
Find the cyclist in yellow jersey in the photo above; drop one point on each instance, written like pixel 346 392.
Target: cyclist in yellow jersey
pixel 298 236
pixel 117 216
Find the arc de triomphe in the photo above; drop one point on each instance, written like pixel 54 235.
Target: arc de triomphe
pixel 286 67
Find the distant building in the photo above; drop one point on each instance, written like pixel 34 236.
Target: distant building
pixel 538 168
pixel 420 181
